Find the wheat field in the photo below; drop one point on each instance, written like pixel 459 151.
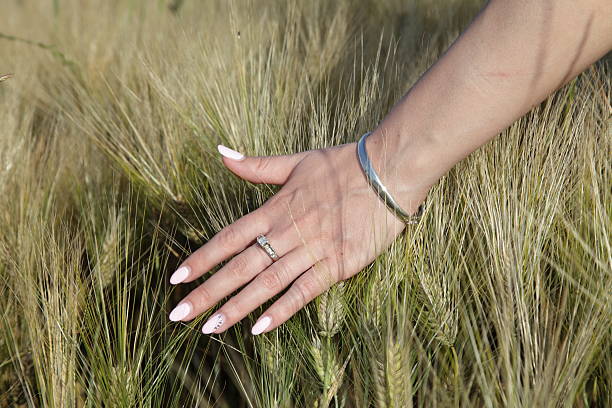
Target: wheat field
pixel 110 113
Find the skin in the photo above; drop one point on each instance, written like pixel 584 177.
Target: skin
pixel 511 57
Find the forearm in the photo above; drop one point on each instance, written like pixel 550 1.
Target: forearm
pixel 513 55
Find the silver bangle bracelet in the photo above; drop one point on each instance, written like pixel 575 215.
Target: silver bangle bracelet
pixel 380 188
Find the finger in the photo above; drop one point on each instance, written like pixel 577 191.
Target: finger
pixel 265 285
pixel 239 271
pixel 260 169
pixel 308 286
pixel 229 241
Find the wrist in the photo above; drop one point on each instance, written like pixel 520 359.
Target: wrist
pixel 405 164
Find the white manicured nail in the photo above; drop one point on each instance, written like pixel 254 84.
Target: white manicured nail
pixel 261 325
pixel 229 153
pixel 213 323
pixel 180 275
pixel 180 312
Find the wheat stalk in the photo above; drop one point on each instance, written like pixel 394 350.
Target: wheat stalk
pixel 330 310
pixel 109 251
pixel 329 370
pixel 378 381
pixel 399 383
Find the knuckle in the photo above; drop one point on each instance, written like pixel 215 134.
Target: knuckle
pixel 320 247
pixel 270 280
pixel 263 164
pixel 232 309
pixel 286 308
pixel 282 271
pixel 236 268
pixel 305 288
pixel 327 274
pixel 227 236
pixel 302 225
pixel 201 295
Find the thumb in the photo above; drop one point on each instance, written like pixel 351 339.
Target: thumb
pixel 260 169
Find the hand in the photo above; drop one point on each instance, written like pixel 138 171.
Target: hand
pixel 326 224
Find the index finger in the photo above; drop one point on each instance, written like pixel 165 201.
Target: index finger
pixel 229 241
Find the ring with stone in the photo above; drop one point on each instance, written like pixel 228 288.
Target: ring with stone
pixel 265 245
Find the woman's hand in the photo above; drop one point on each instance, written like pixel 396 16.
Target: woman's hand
pixel 326 224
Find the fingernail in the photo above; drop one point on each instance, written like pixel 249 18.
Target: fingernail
pixel 261 325
pixel 180 312
pixel 213 323
pixel 180 275
pixel 229 153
